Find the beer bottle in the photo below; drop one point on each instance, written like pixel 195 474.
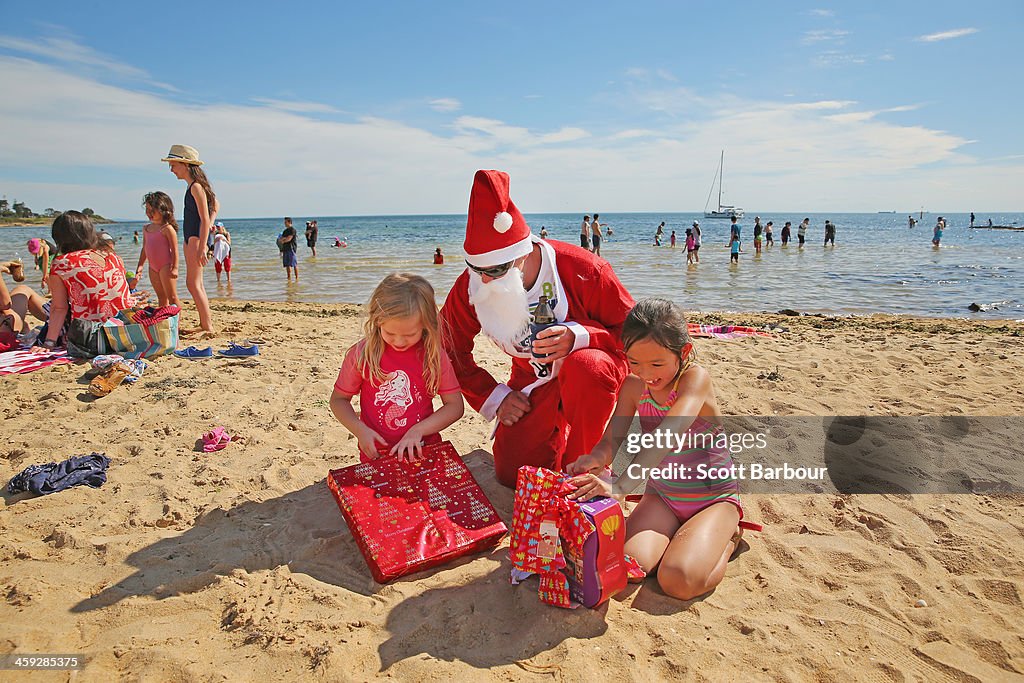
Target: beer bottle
pixel 543 318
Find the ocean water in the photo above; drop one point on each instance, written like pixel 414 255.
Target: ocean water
pixel 877 265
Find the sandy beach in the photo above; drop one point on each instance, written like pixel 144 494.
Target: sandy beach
pixel 237 565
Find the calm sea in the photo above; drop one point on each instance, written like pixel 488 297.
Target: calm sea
pixel 877 265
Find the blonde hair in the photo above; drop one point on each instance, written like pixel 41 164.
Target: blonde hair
pixel 402 295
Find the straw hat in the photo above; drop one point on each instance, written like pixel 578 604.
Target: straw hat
pixel 184 154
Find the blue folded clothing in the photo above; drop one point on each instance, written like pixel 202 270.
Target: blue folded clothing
pixel 52 477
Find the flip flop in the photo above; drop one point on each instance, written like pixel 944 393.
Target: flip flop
pixel 217 439
pixel 102 385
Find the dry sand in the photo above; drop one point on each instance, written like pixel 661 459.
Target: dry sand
pixel 237 565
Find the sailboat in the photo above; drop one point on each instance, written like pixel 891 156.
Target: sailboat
pixel 724 211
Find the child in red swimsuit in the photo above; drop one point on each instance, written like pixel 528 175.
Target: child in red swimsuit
pixel 684 526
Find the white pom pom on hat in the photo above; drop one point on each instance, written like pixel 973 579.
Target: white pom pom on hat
pixel 503 221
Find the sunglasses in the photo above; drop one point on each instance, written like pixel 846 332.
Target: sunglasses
pixel 493 271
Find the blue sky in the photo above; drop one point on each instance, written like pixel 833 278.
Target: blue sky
pixel 389 107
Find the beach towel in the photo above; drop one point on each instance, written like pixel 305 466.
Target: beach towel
pixel 25 360
pixel 724 331
pixel 52 477
pixel 221 248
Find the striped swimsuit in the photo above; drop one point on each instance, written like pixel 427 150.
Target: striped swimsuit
pixel 689 495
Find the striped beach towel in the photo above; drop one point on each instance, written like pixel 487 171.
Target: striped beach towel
pixel 724 331
pixel 25 360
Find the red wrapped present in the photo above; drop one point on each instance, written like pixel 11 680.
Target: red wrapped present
pixel 576 548
pixel 410 516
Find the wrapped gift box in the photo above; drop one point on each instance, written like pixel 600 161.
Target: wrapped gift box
pixel 576 548
pixel 598 570
pixel 410 516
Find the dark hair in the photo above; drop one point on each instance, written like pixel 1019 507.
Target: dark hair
pixel 200 177
pixel 73 231
pixel 161 203
pixel 659 320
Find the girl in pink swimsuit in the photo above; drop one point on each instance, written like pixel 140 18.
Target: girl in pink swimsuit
pixel 160 248
pixel 684 526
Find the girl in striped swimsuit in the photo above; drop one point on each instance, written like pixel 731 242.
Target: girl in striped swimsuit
pixel 685 527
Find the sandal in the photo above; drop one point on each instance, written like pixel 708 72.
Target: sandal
pixel 101 385
pixel 217 439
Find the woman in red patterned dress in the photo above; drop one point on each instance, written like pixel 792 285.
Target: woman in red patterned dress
pixel 86 280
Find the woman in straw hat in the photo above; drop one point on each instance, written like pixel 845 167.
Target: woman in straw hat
pixel 201 207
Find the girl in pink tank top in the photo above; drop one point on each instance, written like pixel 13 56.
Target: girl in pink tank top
pixel 396 370
pixel 684 527
pixel 160 248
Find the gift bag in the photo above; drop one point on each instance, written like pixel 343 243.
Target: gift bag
pixel 575 548
pixel 140 340
pixel 410 516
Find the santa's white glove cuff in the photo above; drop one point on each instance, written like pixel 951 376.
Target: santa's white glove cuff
pixel 582 340
pixel 490 407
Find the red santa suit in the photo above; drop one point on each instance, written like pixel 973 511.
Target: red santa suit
pixel 571 399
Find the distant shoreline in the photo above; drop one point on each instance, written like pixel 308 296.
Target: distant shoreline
pixel 46 222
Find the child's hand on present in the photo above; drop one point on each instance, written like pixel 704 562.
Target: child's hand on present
pixel 586 463
pixel 589 485
pixel 368 440
pixel 410 447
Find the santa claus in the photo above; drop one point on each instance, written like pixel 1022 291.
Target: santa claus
pixel 565 380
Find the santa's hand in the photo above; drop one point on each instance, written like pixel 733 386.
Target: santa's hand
pixel 513 407
pixel 588 486
pixel 554 343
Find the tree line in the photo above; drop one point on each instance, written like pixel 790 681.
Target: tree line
pixel 18 209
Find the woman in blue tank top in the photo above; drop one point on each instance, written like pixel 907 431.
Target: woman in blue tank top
pixel 201 208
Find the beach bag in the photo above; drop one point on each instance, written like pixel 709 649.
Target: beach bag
pixel 85 338
pixel 576 548
pixel 135 340
pixel 409 516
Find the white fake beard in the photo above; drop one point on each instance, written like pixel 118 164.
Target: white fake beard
pixel 501 306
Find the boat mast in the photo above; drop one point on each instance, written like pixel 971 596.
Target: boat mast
pixel 721 171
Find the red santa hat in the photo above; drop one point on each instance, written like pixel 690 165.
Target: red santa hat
pixel 496 232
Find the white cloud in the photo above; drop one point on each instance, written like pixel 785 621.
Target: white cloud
pixel 633 133
pixel 75 54
pixel 947 35
pixel 303 107
pixel 821 105
pixel 445 104
pixel 832 58
pixel 818 36
pixel 101 144
pixel 822 13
